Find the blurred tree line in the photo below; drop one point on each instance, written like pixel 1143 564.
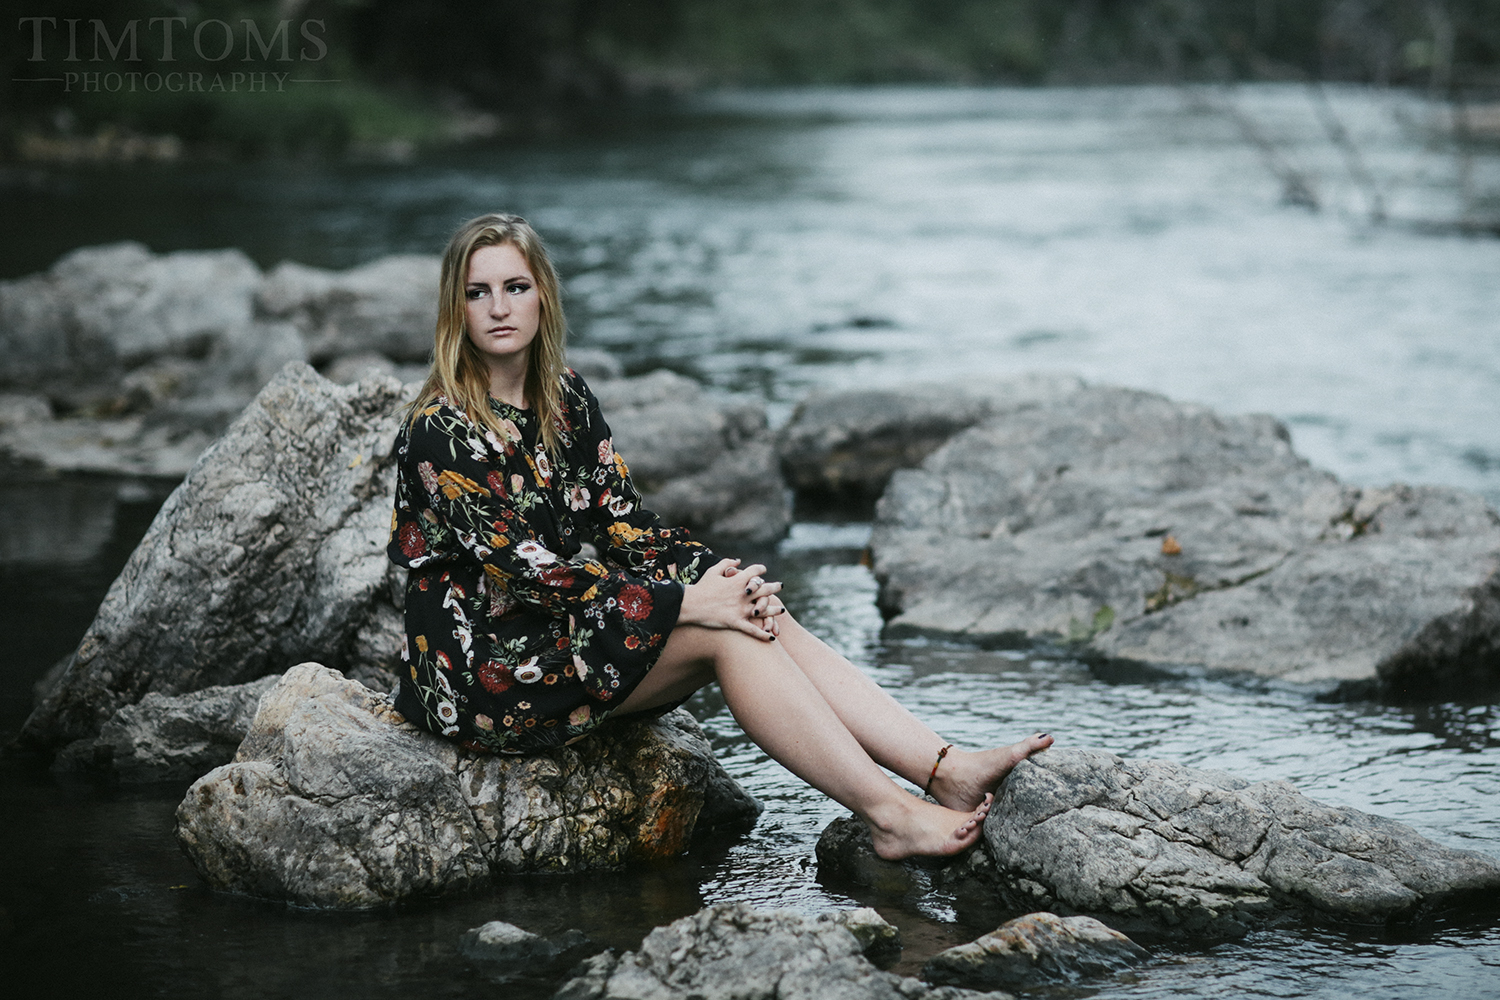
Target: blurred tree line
pixel 411 69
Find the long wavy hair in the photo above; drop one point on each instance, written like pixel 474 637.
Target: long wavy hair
pixel 458 371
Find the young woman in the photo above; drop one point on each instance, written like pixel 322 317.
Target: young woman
pixel 516 642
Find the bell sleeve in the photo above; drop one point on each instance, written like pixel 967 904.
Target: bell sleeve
pixel 619 618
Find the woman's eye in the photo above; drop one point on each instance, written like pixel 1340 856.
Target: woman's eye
pixel 517 289
pixel 475 293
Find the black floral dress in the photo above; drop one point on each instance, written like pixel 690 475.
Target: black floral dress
pixel 514 643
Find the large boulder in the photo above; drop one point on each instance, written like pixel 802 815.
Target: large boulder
pixel 840 448
pixel 270 552
pixel 738 951
pixel 388 306
pixel 1163 532
pixel 1035 950
pixel 1154 845
pixel 334 800
pixel 704 463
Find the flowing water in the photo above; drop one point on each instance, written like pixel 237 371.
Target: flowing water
pixel 773 243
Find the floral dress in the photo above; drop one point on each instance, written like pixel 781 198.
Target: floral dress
pixel 515 643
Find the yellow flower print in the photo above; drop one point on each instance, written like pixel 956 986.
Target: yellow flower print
pixel 624 533
pixel 620 466
pixel 496 574
pixel 422 643
pixel 455 485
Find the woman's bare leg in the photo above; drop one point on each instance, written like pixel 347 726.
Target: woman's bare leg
pixel 891 735
pixel 779 708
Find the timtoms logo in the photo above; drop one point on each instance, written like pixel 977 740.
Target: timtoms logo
pixel 167 40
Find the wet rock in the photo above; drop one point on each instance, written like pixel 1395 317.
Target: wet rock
pixel 702 463
pixel 749 954
pixel 23 408
pixel 841 448
pixel 271 551
pixel 505 952
pixel 1154 845
pixel 333 800
pixel 1162 532
pixel 176 737
pixel 1033 950
pixel 388 306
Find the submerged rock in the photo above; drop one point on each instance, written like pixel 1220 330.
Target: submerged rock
pixel 334 800
pixel 270 552
pixel 1033 950
pixel 749 954
pixel 1162 532
pixel 705 464
pixel 506 952
pixel 1154 845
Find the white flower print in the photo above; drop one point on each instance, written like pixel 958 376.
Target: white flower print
pixel 534 553
pixel 429 477
pixel 543 465
pixel 607 451
pixel 620 506
pixel 476 449
pixel 578 498
pixel 528 672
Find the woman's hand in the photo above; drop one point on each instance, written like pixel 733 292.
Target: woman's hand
pixel 729 597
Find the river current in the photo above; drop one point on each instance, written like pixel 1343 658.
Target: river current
pixel 772 243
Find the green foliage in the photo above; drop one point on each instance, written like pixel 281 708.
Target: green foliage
pixel 399 60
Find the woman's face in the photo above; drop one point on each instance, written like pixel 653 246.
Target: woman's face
pixel 503 306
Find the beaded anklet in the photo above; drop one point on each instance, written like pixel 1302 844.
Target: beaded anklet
pixel 927 789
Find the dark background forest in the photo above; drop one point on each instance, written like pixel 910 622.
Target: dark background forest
pixel 426 71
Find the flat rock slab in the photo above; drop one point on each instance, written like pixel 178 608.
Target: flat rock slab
pixel 1154 845
pixel 1161 532
pixel 271 551
pixel 334 800
pixel 1034 950
pixel 841 448
pixel 749 954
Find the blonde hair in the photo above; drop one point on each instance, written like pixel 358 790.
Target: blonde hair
pixel 458 371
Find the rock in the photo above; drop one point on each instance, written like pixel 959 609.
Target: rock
pixel 506 952
pixel 387 306
pixel 1162 532
pixel 1033 950
pixel 23 408
pixel 1157 846
pixel 748 954
pixel 333 800
pixel 272 550
pixel 841 448
pixel 75 330
pixel 595 365
pixel 177 737
pixel 705 464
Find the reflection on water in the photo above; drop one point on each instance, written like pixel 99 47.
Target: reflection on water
pixel 774 242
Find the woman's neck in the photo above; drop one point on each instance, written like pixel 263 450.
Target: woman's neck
pixel 508 383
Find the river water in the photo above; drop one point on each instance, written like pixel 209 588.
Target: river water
pixel 776 242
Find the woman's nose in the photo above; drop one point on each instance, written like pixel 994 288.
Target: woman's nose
pixel 500 303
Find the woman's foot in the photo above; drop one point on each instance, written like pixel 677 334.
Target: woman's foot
pixel 963 779
pixel 923 829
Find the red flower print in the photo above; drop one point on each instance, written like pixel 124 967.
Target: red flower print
pixel 443 660
pixel 631 642
pixel 413 544
pixel 635 601
pixel 495 676
pixel 556 575
pixel 497 484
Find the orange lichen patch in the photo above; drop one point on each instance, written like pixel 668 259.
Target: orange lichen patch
pixel 1170 546
pixel 667 821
